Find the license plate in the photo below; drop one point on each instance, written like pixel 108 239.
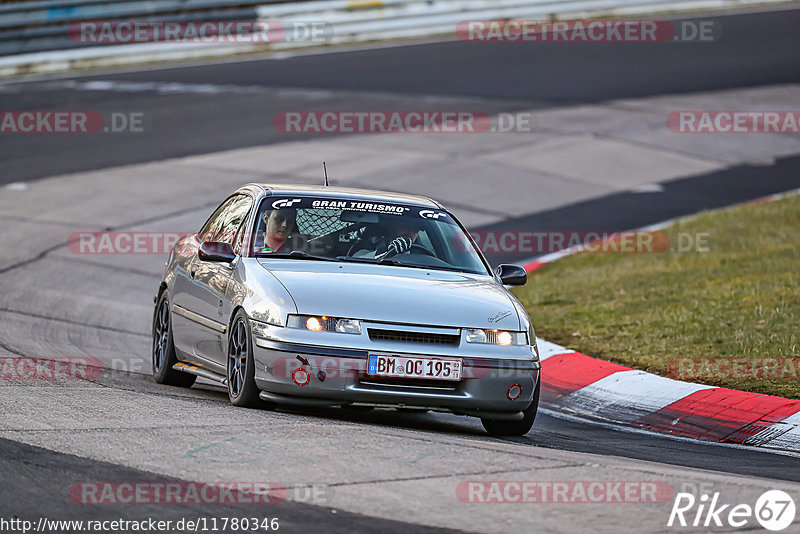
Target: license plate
pixel 402 367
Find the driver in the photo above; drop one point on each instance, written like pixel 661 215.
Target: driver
pixel 280 223
pixel 399 239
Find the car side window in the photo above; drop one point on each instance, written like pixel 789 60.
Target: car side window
pixel 234 217
pixel 213 224
pixel 241 230
pixel 226 220
pixel 238 246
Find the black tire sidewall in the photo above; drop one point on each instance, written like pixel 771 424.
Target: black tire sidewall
pixel 515 428
pixel 161 375
pixel 248 396
pixel 167 375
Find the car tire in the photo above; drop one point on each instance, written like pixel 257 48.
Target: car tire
pixel 514 428
pixel 164 356
pixel 241 369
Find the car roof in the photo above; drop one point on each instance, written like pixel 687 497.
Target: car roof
pixel 347 193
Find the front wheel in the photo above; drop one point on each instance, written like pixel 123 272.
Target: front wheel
pixel 514 428
pixel 242 388
pixel 164 356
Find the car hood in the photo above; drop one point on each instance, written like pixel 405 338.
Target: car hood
pixel 395 294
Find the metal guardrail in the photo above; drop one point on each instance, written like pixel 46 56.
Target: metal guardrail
pixel 23 13
pixel 42 25
pixel 390 19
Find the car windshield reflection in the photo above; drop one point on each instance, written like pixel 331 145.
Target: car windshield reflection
pixel 364 232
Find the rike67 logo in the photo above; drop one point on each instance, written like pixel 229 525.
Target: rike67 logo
pixel 774 510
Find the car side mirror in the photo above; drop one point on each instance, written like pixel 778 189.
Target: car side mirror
pixel 512 275
pixel 216 251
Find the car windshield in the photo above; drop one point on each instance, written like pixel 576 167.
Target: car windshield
pixel 363 231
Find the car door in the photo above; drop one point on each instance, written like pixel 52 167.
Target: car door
pixel 184 322
pixel 211 280
pixel 203 299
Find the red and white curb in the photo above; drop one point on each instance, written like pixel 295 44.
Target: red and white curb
pixel 588 387
pixel 578 384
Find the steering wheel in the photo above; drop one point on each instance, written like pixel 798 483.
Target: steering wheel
pixel 421 248
pixel 355 247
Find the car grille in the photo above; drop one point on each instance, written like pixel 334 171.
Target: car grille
pixel 409 383
pixel 376 334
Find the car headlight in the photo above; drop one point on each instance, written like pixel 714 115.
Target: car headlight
pixel 495 337
pixel 321 323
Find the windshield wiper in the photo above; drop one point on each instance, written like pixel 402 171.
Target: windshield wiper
pixel 296 254
pixel 382 261
pixel 396 263
pixel 390 261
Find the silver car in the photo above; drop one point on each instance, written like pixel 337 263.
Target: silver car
pixel 323 296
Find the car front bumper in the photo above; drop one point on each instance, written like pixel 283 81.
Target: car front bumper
pixel 337 376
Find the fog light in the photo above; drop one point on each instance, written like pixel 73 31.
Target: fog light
pixel 514 392
pixel 474 335
pixel 348 326
pixel 301 377
pixel 312 323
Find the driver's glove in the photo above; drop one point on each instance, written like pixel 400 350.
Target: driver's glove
pixel 398 245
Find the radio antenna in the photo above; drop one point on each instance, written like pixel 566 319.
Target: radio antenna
pixel 325 170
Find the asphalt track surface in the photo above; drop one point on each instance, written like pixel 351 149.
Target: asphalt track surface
pixel 35 468
pixel 755 49
pixel 629 210
pixel 42 477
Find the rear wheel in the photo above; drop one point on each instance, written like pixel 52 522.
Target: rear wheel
pixel 164 356
pixel 242 388
pixel 497 427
